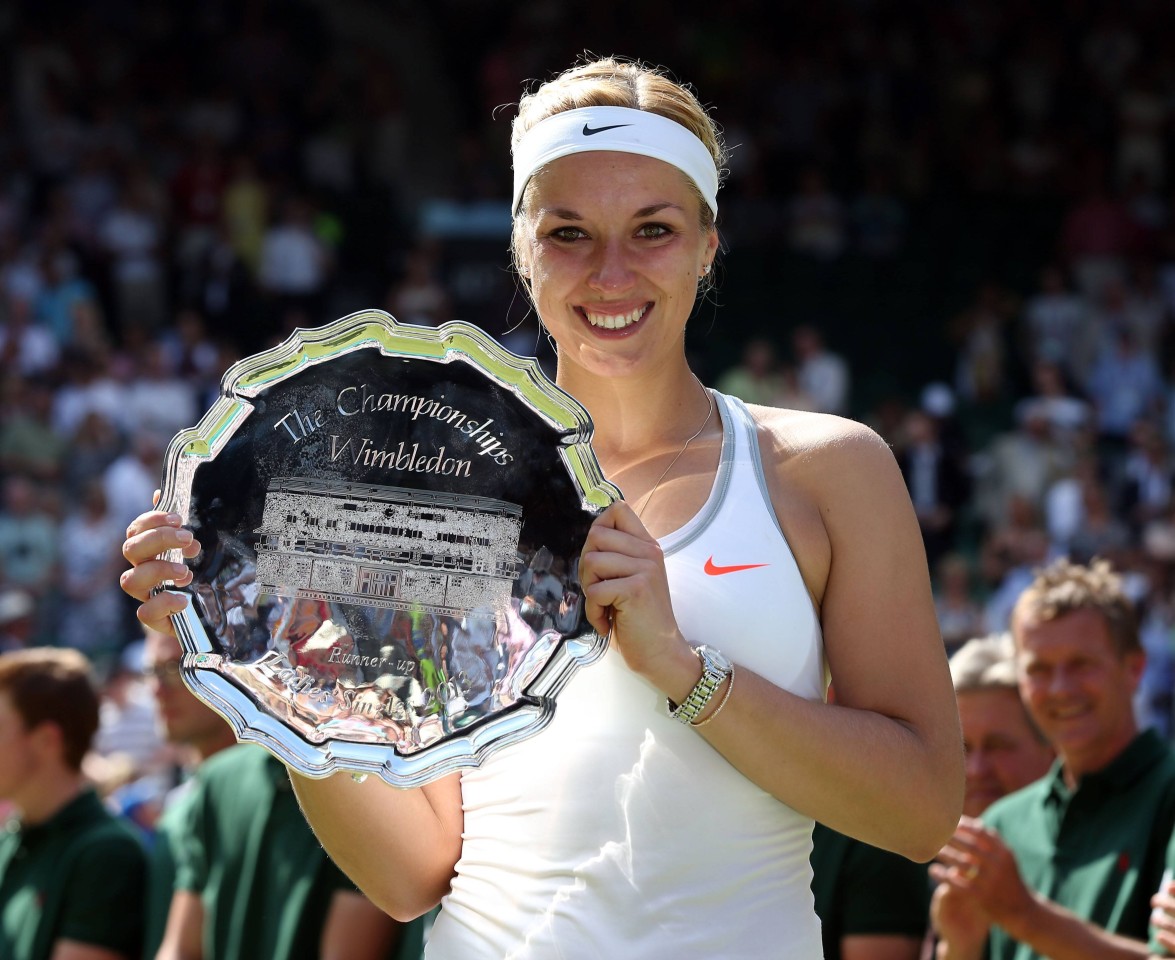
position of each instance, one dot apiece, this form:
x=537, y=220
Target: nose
x=976, y=762
x=1060, y=681
x=610, y=268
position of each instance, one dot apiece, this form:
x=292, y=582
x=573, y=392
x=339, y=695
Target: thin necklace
x=697, y=433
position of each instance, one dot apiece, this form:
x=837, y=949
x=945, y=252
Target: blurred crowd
x=952, y=221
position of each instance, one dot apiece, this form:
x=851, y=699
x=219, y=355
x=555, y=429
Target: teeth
x=614, y=322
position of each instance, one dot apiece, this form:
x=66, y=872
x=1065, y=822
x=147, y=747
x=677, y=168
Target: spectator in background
x=1148, y=478
x=822, y=375
x=1052, y=322
x=62, y=296
x=1097, y=236
x=17, y=611
x=960, y=615
x=1124, y=386
x=878, y=217
x=1020, y=464
x=817, y=224
x=131, y=240
x=127, y=760
x=158, y=399
x=29, y=443
x=295, y=264
x=1005, y=748
x=872, y=904
x=251, y=878
x=25, y=347
x=132, y=479
x=755, y=378
x=71, y=875
x=28, y=541
x=92, y=616
x=1008, y=879
x=939, y=486
x=418, y=296
x=188, y=725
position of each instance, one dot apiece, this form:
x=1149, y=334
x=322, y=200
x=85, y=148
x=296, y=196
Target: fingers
x=156, y=612
x=143, y=578
x=151, y=534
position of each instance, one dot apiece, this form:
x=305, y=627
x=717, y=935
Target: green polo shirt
x=77, y=876
x=161, y=866
x=265, y=882
x=860, y=890
x=1097, y=850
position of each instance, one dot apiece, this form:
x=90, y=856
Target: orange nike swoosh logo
x=716, y=571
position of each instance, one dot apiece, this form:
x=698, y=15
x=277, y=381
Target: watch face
x=715, y=659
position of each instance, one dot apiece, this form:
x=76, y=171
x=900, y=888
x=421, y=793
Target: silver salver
x=390, y=519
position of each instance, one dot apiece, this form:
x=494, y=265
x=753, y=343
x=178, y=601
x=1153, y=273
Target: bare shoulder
x=830, y=480
x=807, y=442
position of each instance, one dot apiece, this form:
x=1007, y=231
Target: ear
x=48, y=740
x=1135, y=665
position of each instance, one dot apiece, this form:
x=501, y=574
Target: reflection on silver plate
x=390, y=519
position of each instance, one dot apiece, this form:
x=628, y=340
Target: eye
x=654, y=230
x=567, y=234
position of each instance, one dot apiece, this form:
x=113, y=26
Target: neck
x=214, y=743
x=47, y=794
x=635, y=416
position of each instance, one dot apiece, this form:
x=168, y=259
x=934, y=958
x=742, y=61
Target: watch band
x=715, y=669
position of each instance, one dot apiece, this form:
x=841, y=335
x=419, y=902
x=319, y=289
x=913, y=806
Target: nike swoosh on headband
x=589, y=131
x=716, y=571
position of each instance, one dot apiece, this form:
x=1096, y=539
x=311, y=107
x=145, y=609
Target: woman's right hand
x=150, y=535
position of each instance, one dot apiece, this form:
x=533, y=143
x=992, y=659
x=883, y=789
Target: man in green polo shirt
x=1065, y=868
x=71, y=874
x=240, y=875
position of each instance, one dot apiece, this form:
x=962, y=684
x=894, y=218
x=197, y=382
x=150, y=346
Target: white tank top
x=619, y=833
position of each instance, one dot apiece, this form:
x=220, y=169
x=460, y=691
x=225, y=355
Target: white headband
x=618, y=129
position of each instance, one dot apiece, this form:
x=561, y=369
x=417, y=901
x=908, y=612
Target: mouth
x=615, y=321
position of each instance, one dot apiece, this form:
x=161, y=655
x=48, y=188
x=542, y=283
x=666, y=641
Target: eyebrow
x=564, y=213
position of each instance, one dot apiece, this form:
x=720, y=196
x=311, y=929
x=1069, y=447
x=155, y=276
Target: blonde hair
x=1065, y=587
x=985, y=663
x=614, y=82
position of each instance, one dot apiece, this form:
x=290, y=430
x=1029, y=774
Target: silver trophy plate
x=390, y=520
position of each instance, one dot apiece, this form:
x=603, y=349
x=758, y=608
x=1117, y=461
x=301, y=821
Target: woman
x=783, y=539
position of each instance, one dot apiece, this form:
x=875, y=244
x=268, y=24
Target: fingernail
x=179, y=569
x=174, y=519
x=184, y=536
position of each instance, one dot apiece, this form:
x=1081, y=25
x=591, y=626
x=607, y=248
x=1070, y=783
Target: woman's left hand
x=622, y=572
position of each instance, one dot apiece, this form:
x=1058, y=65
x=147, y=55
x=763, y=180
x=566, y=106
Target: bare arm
x=183, y=937
x=885, y=763
x=73, y=950
x=879, y=946
x=356, y=929
x=978, y=865
x=400, y=847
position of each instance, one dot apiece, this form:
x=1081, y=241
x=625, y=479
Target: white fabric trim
x=620, y=130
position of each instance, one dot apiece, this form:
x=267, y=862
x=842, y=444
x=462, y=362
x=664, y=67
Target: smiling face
x=1078, y=687
x=1003, y=751
x=614, y=248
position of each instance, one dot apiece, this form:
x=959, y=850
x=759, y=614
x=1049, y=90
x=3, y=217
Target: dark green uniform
x=862, y=890
x=265, y=882
x=161, y=867
x=78, y=876
x=240, y=841
x=1098, y=850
